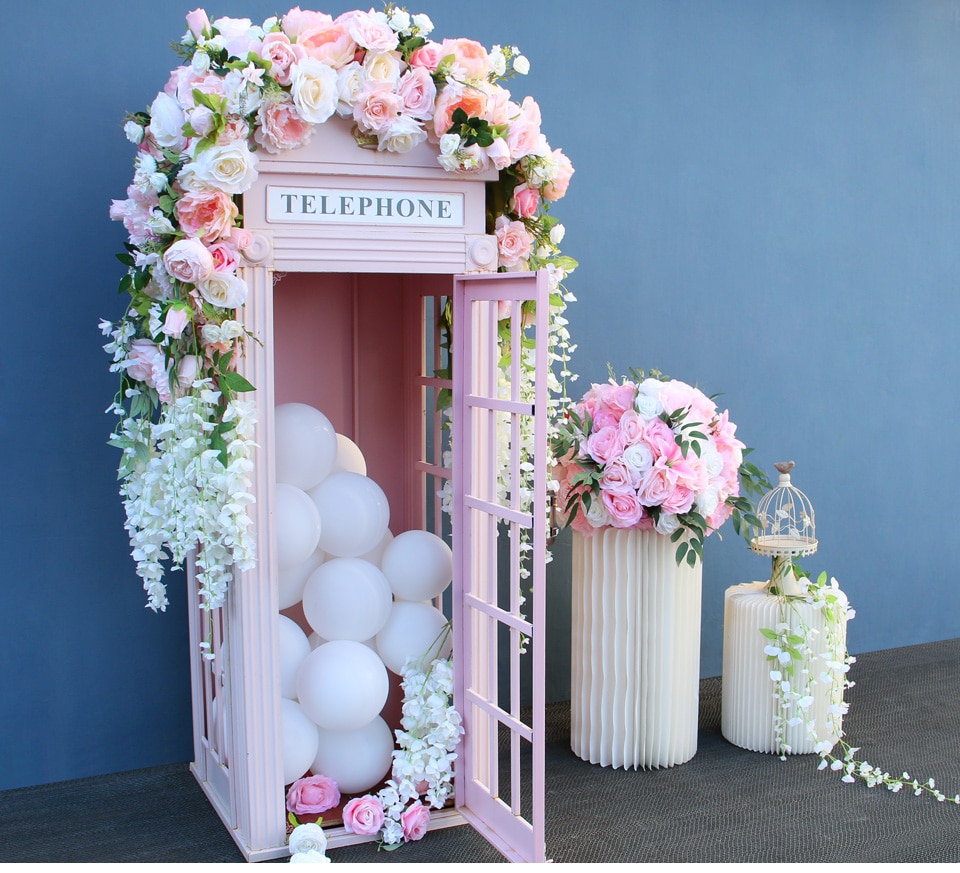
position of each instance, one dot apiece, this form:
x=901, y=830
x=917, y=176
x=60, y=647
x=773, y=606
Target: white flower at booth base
x=308, y=844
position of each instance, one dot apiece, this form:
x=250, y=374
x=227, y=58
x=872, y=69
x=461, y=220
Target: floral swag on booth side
x=184, y=430
x=653, y=453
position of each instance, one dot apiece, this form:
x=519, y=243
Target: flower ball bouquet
x=652, y=453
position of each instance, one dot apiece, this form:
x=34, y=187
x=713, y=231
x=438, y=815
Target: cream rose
x=225, y=290
x=404, y=135
x=314, y=88
x=231, y=167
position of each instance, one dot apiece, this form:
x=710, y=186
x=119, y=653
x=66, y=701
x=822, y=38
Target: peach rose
x=453, y=97
x=557, y=186
x=471, y=57
x=209, y=214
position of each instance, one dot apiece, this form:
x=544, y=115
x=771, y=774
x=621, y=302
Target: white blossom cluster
x=795, y=662
x=430, y=729
x=179, y=495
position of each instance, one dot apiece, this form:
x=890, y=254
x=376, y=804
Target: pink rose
x=679, y=501
x=631, y=427
x=135, y=213
x=363, y=815
x=414, y=820
x=281, y=126
x=617, y=476
x=241, y=238
x=226, y=258
x=371, y=32
x=176, y=321
x=618, y=397
x=428, y=56
x=658, y=435
x=282, y=55
x=525, y=201
x=623, y=506
x=298, y=19
x=187, y=371
x=188, y=260
x=524, y=136
x=418, y=93
x=149, y=367
x=603, y=416
x=557, y=186
x=498, y=153
x=676, y=395
x=377, y=106
x=605, y=445
x=471, y=57
x=209, y=214
x=313, y=794
x=513, y=240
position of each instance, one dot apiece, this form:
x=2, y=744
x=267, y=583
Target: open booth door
x=499, y=532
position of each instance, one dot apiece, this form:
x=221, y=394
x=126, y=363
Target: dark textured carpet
x=726, y=805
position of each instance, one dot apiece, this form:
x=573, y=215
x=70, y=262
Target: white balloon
x=300, y=740
x=349, y=457
x=297, y=526
x=294, y=647
x=357, y=759
x=347, y=599
x=342, y=685
x=293, y=579
x=305, y=445
x=418, y=565
x=414, y=630
x=354, y=514
x=375, y=555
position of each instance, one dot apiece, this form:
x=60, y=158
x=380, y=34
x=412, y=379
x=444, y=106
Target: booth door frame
x=500, y=794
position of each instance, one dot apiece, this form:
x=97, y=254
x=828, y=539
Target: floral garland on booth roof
x=184, y=430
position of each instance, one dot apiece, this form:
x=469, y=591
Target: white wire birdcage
x=787, y=519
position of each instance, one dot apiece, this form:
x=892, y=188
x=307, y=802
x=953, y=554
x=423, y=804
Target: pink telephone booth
x=355, y=254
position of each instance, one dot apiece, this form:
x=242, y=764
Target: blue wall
x=765, y=203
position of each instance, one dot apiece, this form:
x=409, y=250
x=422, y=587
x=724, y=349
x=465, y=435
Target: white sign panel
x=364, y=206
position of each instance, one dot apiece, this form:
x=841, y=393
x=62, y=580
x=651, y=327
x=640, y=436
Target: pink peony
x=329, y=43
x=313, y=794
x=209, y=214
x=363, y=815
x=281, y=126
x=414, y=821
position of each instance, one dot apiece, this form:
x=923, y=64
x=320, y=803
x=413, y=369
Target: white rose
x=498, y=61
x=133, y=132
x=382, y=67
x=597, y=514
x=243, y=96
x=166, y=121
x=449, y=144
x=711, y=459
x=648, y=399
x=521, y=65
x=638, y=457
x=311, y=857
x=200, y=63
x=313, y=86
x=225, y=290
x=231, y=168
x=349, y=84
x=423, y=24
x=667, y=524
x=557, y=233
x=308, y=838
x=707, y=501
x=404, y=135
x=399, y=20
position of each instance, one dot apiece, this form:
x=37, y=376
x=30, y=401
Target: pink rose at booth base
x=313, y=795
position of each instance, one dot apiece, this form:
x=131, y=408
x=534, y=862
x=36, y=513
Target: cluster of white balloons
x=364, y=593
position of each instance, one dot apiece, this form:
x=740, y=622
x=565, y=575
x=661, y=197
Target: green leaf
x=235, y=382
x=682, y=550
x=769, y=634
